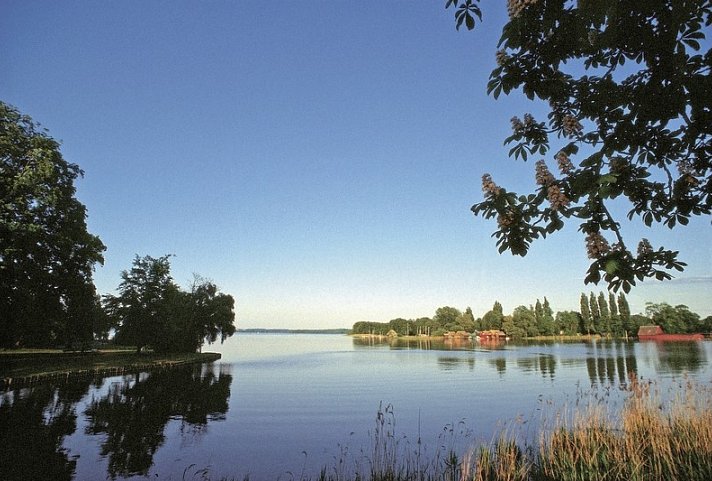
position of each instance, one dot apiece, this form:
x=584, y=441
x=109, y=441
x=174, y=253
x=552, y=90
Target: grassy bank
x=18, y=368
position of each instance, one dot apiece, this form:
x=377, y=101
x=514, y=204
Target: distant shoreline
x=258, y=330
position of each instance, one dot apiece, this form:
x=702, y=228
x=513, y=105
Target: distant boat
x=655, y=333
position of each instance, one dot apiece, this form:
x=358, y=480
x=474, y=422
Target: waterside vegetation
x=600, y=315
x=47, y=259
x=655, y=436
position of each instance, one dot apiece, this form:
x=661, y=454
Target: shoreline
x=25, y=369
x=581, y=337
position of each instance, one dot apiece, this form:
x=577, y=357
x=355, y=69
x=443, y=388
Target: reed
x=652, y=437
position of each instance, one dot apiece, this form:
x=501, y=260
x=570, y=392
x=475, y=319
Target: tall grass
x=652, y=437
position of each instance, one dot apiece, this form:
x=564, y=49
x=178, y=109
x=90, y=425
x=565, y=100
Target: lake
x=279, y=406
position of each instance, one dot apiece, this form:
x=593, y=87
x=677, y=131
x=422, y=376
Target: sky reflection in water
x=287, y=403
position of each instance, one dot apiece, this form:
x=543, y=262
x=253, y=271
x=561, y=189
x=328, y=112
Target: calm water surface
x=281, y=404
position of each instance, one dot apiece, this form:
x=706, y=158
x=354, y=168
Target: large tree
x=493, y=318
x=152, y=310
x=447, y=315
x=47, y=255
x=630, y=117
x=141, y=311
x=672, y=319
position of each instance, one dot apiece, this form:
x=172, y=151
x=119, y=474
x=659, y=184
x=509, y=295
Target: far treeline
x=604, y=315
x=47, y=258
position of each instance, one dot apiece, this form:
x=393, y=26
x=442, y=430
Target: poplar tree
x=595, y=313
x=624, y=311
x=586, y=314
x=548, y=327
x=612, y=304
x=616, y=324
x=605, y=314
x=539, y=316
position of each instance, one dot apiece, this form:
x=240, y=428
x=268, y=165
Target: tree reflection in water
x=675, y=357
x=33, y=424
x=134, y=413
x=132, y=416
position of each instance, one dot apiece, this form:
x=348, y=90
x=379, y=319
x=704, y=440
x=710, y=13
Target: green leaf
x=694, y=44
x=608, y=179
x=469, y=21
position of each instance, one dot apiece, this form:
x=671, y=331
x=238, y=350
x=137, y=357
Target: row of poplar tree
x=602, y=314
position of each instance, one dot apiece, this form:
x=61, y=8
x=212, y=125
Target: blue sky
x=316, y=159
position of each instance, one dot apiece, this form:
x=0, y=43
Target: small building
x=655, y=333
x=649, y=331
x=457, y=334
x=492, y=334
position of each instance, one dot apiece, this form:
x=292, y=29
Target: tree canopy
x=152, y=310
x=630, y=118
x=47, y=255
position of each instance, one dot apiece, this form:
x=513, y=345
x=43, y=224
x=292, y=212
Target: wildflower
x=501, y=57
x=543, y=176
x=506, y=219
x=517, y=125
x=489, y=187
x=571, y=125
x=556, y=197
x=565, y=165
x=618, y=165
x=515, y=7
x=596, y=245
x=687, y=172
x=644, y=248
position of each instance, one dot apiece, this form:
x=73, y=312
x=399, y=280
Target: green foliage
x=365, y=327
x=514, y=327
x=467, y=320
x=493, y=318
x=598, y=65
x=569, y=322
x=600, y=314
x=445, y=319
x=595, y=313
x=141, y=310
x=400, y=325
x=605, y=314
x=47, y=256
x=673, y=320
x=705, y=325
x=547, y=326
x=524, y=319
x=151, y=310
x=637, y=320
x=447, y=315
x=586, y=315
x=624, y=312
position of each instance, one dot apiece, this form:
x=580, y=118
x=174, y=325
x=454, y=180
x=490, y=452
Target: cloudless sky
x=316, y=159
